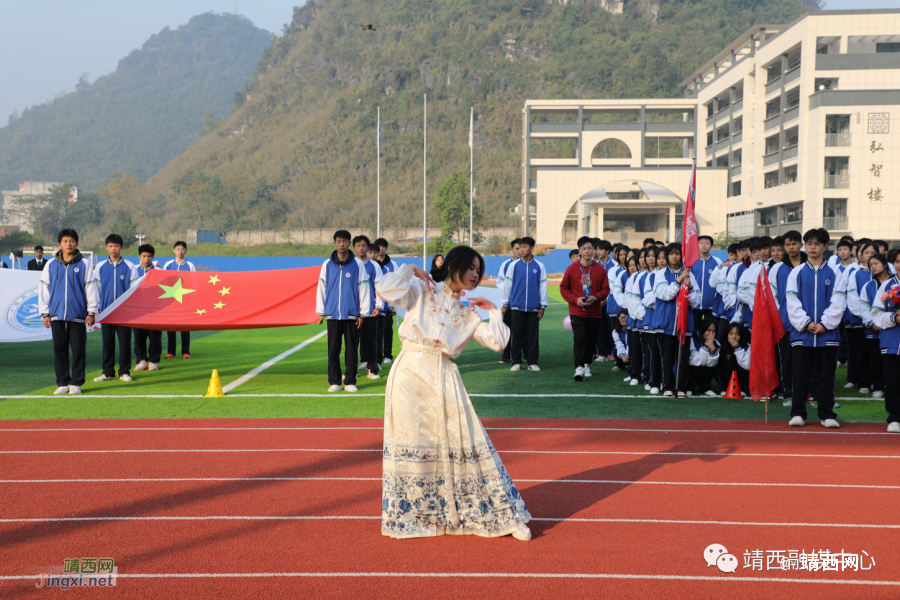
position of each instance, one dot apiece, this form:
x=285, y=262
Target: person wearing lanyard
x=584, y=286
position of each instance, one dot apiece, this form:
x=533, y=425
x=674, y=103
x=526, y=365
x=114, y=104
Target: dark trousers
x=655, y=361
x=822, y=361
x=604, y=336
x=722, y=333
x=786, y=365
x=891, y=387
x=702, y=317
x=109, y=334
x=635, y=354
x=613, y=321
x=843, y=352
x=584, y=332
x=386, y=335
x=700, y=379
x=141, y=338
x=507, y=320
x=525, y=330
x=877, y=365
x=68, y=335
x=342, y=331
x=859, y=356
x=185, y=342
x=647, y=341
x=368, y=336
x=730, y=365
x=668, y=345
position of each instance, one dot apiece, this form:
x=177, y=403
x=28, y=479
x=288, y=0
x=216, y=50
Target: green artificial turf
x=27, y=369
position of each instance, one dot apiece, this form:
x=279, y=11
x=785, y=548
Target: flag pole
x=690, y=200
x=378, y=171
x=471, y=179
x=424, y=180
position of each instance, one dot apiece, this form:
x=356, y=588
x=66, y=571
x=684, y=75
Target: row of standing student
x=72, y=293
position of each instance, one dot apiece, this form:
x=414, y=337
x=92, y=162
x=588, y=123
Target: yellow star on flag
x=214, y=279
x=225, y=290
x=219, y=305
x=175, y=291
x=200, y=311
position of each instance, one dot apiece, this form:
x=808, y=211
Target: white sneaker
x=74, y=389
x=634, y=382
x=627, y=379
x=878, y=394
x=516, y=368
x=153, y=367
x=533, y=368
x=894, y=427
x=125, y=377
x=363, y=366
x=864, y=390
x=831, y=424
x=373, y=376
x=668, y=394
x=587, y=371
x=579, y=374
x=141, y=366
x=334, y=388
x=654, y=390
x=709, y=394
x=797, y=421
x=103, y=378
x=601, y=359
x=63, y=389
x=523, y=533
x=387, y=361
x=849, y=386
x=690, y=394
x=647, y=386
x=351, y=388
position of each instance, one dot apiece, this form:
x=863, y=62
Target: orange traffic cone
x=734, y=389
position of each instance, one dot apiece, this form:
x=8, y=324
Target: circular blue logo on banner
x=23, y=315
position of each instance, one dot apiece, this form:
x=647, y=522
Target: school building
x=790, y=124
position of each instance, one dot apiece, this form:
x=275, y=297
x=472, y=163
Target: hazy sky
x=45, y=45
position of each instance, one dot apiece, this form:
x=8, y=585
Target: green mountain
x=299, y=148
x=139, y=117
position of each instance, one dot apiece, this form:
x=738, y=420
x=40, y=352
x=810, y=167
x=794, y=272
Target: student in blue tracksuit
x=501, y=285
x=602, y=255
x=816, y=296
x=760, y=251
x=180, y=263
x=884, y=316
x=618, y=276
x=526, y=295
x=778, y=276
x=702, y=270
x=115, y=276
x=703, y=360
x=666, y=289
x=68, y=301
x=147, y=360
x=651, y=324
x=719, y=280
x=878, y=267
x=343, y=297
x=385, y=347
x=368, y=355
x=648, y=265
x=857, y=277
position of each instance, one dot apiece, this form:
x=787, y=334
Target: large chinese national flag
x=767, y=330
x=200, y=301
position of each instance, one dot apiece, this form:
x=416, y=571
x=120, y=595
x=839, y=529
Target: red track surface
x=642, y=481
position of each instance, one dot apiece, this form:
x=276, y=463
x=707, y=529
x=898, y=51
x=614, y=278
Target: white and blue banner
x=19, y=317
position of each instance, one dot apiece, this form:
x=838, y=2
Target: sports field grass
x=27, y=370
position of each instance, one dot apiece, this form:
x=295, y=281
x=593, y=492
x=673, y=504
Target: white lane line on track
x=378, y=517
x=585, y=452
x=254, y=372
x=342, y=394
x=603, y=481
x=488, y=576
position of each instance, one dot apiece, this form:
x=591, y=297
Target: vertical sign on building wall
x=879, y=123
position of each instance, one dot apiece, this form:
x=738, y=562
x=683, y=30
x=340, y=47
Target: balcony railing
x=837, y=140
x=835, y=223
x=836, y=181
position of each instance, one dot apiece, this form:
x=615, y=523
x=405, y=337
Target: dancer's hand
x=423, y=275
x=483, y=303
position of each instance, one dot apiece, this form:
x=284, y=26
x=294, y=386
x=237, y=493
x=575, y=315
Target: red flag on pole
x=682, y=306
x=690, y=253
x=203, y=301
x=767, y=331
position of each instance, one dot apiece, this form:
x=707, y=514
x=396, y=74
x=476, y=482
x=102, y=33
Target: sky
x=45, y=45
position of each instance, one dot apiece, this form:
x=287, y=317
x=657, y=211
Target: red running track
x=612, y=532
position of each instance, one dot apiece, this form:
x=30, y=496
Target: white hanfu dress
x=441, y=473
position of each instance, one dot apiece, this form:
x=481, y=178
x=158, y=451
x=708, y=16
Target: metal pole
x=424, y=182
x=378, y=171
x=471, y=178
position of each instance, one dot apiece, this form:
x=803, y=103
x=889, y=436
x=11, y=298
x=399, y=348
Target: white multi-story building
x=792, y=130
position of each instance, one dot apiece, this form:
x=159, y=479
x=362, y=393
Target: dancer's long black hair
x=457, y=262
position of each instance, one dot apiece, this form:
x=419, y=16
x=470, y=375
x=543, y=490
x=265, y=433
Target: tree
x=453, y=204
x=723, y=239
x=264, y=204
x=44, y=213
x=17, y=240
x=209, y=123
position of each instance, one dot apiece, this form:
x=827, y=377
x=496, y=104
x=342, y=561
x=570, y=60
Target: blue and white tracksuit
x=174, y=265
x=526, y=288
x=68, y=291
x=665, y=288
x=115, y=279
x=343, y=292
x=815, y=295
x=702, y=270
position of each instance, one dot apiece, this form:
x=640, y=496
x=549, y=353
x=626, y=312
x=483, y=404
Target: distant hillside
x=301, y=151
x=139, y=117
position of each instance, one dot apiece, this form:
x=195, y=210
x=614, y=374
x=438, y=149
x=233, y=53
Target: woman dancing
x=441, y=473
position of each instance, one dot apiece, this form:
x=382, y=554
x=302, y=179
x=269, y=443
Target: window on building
x=771, y=179
x=722, y=161
x=709, y=139
x=773, y=108
x=793, y=60
x=738, y=125
x=793, y=99
x=834, y=214
x=790, y=174
x=791, y=137
x=887, y=47
x=709, y=110
x=736, y=158
x=772, y=144
x=738, y=94
x=724, y=102
x=774, y=71
x=736, y=188
x=723, y=132
x=824, y=84
x=837, y=131
x=837, y=172
x=709, y=163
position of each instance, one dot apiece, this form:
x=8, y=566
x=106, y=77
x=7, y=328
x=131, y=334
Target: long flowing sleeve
x=398, y=289
x=493, y=334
